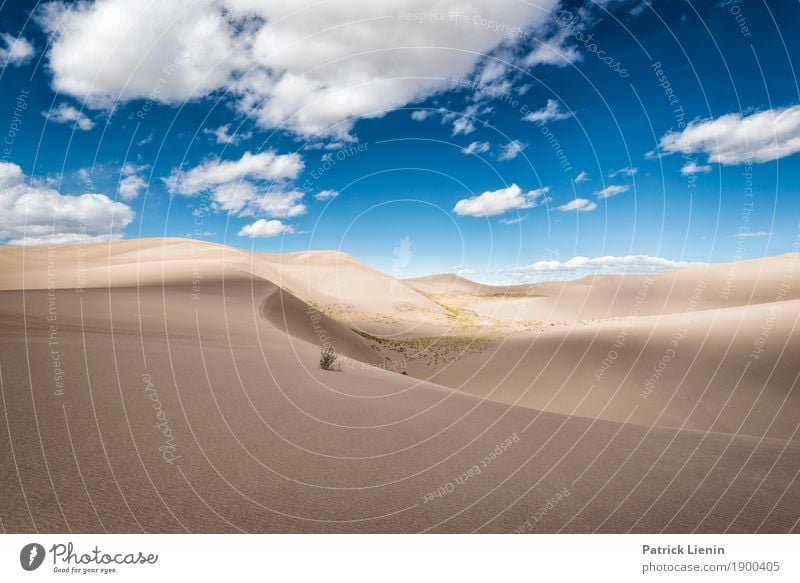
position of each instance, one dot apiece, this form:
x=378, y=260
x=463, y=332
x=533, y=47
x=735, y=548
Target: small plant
x=327, y=358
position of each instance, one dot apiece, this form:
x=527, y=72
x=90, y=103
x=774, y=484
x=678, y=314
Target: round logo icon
x=31, y=556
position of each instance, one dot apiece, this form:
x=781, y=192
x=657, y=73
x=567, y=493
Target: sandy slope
x=700, y=370
x=182, y=403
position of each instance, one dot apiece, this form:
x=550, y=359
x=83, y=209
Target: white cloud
x=553, y=51
x=14, y=51
x=66, y=113
x=514, y=221
x=693, y=168
x=733, y=138
x=131, y=184
x=653, y=155
x=306, y=66
x=32, y=212
x=582, y=177
x=550, y=112
x=85, y=174
x=751, y=234
x=235, y=197
x=463, y=270
x=280, y=203
x=464, y=122
x=511, y=150
x=491, y=71
x=130, y=168
x=223, y=135
x=326, y=194
x=639, y=8
x=111, y=50
x=263, y=228
x=497, y=202
x=476, y=148
x=579, y=204
x=246, y=199
x=583, y=266
x=263, y=166
x=420, y=114
x=463, y=125
x=612, y=190
x=253, y=184
x=626, y=171
x=147, y=139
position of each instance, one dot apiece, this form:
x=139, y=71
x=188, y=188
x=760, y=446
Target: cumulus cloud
x=32, y=212
x=14, y=51
x=581, y=205
x=463, y=125
x=253, y=184
x=582, y=177
x=130, y=168
x=281, y=203
x=263, y=228
x=476, y=148
x=111, y=50
x=693, y=168
x=66, y=113
x=224, y=136
x=247, y=199
x=131, y=184
x=497, y=202
x=326, y=194
x=234, y=197
x=420, y=114
x=511, y=150
x=263, y=166
x=612, y=190
x=550, y=112
x=735, y=138
x=306, y=66
x=583, y=266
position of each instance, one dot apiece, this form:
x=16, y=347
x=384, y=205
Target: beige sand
x=177, y=389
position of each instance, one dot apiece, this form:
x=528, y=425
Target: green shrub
x=327, y=358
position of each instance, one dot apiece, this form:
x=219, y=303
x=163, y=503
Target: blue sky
x=500, y=141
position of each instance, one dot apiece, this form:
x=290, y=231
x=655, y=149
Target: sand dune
x=178, y=390
x=698, y=287
x=327, y=278
x=448, y=283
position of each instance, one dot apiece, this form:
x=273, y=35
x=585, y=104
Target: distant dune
x=168, y=385
x=448, y=283
x=613, y=296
